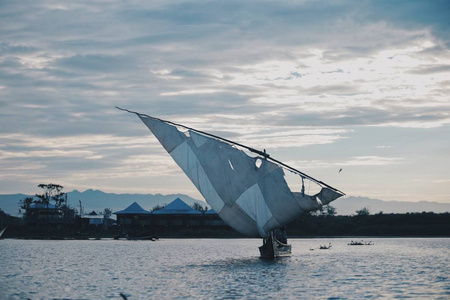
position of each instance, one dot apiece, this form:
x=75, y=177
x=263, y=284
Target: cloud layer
x=285, y=75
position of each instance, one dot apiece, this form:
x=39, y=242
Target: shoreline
x=93, y=238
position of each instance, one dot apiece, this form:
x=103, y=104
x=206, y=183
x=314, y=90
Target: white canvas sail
x=252, y=197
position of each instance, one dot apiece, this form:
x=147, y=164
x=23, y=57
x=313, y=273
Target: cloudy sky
x=321, y=85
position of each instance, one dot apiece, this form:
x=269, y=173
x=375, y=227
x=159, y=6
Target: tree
x=329, y=211
x=24, y=204
x=38, y=214
x=199, y=207
x=52, y=192
x=42, y=214
x=107, y=213
x=316, y=213
x=158, y=207
x=324, y=211
x=363, y=211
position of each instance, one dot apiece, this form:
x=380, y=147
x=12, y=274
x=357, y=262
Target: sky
x=361, y=86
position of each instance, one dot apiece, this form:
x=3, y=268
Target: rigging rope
x=303, y=186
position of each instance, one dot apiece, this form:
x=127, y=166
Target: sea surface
x=417, y=268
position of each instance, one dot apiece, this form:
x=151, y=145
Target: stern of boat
x=272, y=248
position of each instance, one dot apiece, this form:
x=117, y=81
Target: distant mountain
x=349, y=205
x=10, y=203
x=98, y=201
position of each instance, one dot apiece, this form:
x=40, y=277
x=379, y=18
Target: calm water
x=216, y=268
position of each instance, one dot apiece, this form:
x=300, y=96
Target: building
x=133, y=219
x=92, y=219
x=40, y=214
x=133, y=214
x=176, y=214
x=212, y=219
x=95, y=221
x=176, y=218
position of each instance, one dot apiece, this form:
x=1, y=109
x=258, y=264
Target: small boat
x=273, y=248
x=325, y=246
x=142, y=238
x=361, y=243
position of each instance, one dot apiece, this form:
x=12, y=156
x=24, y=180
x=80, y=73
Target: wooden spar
x=262, y=153
x=321, y=183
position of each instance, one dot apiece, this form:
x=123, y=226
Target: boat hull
x=272, y=248
x=143, y=238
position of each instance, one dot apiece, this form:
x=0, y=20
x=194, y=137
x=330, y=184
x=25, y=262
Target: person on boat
x=280, y=235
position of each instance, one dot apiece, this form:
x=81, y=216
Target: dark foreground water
x=223, y=268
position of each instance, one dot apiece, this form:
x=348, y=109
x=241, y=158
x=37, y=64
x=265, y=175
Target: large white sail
x=249, y=193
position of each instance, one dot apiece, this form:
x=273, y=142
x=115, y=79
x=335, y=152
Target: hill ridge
x=98, y=200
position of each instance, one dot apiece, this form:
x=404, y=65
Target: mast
x=81, y=209
x=259, y=152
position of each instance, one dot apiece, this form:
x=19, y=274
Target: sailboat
x=249, y=193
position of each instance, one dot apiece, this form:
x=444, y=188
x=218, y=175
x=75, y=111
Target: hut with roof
x=179, y=219
x=175, y=219
x=177, y=214
x=95, y=221
x=133, y=218
x=92, y=219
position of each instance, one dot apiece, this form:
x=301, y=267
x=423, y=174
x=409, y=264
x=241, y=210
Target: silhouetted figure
x=280, y=235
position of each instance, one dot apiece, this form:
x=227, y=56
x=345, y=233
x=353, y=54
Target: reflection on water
x=220, y=268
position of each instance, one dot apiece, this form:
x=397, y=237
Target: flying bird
x=340, y=170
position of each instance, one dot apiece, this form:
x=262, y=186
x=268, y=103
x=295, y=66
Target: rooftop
x=134, y=209
x=177, y=206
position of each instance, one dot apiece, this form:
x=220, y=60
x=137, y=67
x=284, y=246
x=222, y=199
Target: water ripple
x=223, y=269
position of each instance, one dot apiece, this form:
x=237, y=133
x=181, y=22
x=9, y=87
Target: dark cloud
x=415, y=14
